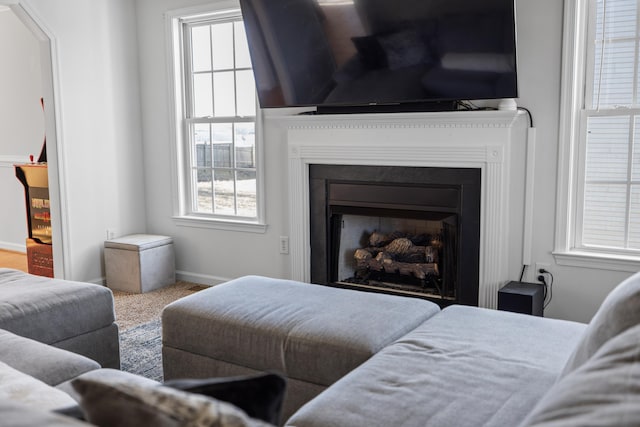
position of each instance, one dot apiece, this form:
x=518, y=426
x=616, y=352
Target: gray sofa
x=469, y=366
x=463, y=366
x=74, y=316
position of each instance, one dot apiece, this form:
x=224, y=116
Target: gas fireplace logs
x=395, y=253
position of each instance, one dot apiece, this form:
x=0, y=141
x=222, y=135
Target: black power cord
x=548, y=288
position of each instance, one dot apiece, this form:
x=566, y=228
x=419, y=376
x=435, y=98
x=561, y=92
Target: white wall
x=21, y=122
x=98, y=124
x=216, y=255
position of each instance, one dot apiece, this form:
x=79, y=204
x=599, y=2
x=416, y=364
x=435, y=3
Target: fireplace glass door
x=407, y=252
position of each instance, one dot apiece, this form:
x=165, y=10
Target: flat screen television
x=350, y=53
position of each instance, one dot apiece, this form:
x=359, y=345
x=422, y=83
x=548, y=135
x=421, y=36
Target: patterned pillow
x=619, y=311
x=128, y=404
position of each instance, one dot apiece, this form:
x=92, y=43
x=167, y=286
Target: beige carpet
x=135, y=309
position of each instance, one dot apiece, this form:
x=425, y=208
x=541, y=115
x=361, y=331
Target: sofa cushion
x=44, y=362
x=18, y=387
x=603, y=391
x=466, y=366
x=52, y=310
x=619, y=311
x=125, y=403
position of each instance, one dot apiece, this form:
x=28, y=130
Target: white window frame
x=182, y=215
x=572, y=143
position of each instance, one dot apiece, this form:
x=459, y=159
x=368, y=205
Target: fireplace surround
x=494, y=142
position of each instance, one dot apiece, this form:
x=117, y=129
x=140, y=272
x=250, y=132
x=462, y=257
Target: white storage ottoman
x=139, y=263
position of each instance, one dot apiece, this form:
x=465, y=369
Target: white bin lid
x=138, y=242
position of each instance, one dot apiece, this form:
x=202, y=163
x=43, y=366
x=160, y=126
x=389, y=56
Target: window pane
x=202, y=95
x=204, y=185
x=222, y=145
x=202, y=140
x=222, y=35
x=634, y=218
x=607, y=148
x=614, y=74
x=636, y=102
x=224, y=97
x=243, y=60
x=246, y=92
x=247, y=191
x=224, y=200
x=201, y=49
x=245, y=145
x=604, y=215
x=620, y=18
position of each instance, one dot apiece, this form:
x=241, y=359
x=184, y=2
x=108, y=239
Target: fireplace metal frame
x=340, y=188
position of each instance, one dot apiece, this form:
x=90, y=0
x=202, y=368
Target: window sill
x=598, y=260
x=219, y=224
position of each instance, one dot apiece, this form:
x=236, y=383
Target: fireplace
x=493, y=142
x=402, y=230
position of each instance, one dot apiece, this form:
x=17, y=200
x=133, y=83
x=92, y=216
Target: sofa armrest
x=49, y=364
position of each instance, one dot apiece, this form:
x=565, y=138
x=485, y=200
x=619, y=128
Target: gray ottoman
x=313, y=334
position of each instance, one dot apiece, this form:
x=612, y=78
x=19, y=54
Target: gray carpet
x=141, y=350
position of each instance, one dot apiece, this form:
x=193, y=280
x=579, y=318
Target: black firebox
x=412, y=231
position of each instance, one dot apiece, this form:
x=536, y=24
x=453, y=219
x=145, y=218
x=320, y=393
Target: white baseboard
x=16, y=247
x=201, y=279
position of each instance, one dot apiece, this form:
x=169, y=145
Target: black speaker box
x=521, y=297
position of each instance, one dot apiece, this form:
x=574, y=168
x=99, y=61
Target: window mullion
x=213, y=103
x=627, y=222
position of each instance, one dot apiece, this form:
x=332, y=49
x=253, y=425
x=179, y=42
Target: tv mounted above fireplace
x=350, y=53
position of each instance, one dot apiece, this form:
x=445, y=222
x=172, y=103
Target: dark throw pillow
x=260, y=396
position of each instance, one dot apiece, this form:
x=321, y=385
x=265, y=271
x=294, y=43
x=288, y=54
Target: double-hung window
x=217, y=125
x=599, y=199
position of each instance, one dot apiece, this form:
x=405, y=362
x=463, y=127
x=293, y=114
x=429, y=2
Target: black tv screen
x=380, y=52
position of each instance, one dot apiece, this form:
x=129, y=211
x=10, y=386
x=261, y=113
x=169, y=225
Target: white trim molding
x=10, y=161
x=56, y=158
x=478, y=139
x=174, y=19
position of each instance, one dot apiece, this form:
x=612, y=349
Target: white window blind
x=610, y=214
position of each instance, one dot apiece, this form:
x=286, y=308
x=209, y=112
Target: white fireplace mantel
x=463, y=139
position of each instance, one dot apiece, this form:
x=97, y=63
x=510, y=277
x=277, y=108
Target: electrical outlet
x=540, y=266
x=284, y=244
